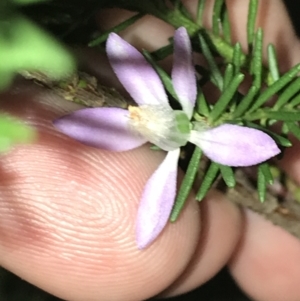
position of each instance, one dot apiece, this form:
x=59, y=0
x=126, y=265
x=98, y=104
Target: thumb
x=68, y=210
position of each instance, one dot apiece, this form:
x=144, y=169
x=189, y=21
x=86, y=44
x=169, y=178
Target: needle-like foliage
x=271, y=101
x=252, y=108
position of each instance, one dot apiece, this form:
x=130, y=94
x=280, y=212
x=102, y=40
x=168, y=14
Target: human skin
x=67, y=211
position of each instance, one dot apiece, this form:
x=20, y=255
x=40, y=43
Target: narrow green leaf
x=294, y=129
x=261, y=184
x=226, y=27
x=187, y=183
x=276, y=87
x=214, y=69
x=217, y=10
x=223, y=48
x=225, y=98
x=208, y=180
x=200, y=10
x=165, y=78
x=184, y=11
x=13, y=131
x=228, y=175
x=287, y=94
x=202, y=106
x=265, y=168
x=273, y=63
x=121, y=26
x=284, y=129
x=294, y=102
x=282, y=115
x=228, y=75
x=278, y=139
x=245, y=102
x=257, y=59
x=252, y=13
x=163, y=52
x=237, y=58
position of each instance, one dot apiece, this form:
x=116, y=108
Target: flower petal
x=157, y=201
x=105, y=128
x=134, y=72
x=235, y=145
x=183, y=72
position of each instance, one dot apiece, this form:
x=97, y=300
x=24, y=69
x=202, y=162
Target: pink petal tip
x=235, y=145
x=157, y=201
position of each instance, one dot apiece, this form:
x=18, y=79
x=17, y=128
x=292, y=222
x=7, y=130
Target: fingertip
x=266, y=263
x=221, y=228
x=69, y=210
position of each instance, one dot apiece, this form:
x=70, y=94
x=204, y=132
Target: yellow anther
x=135, y=113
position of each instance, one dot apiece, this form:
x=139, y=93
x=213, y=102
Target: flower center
x=160, y=125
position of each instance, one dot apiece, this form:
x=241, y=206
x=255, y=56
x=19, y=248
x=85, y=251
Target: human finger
x=69, y=211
